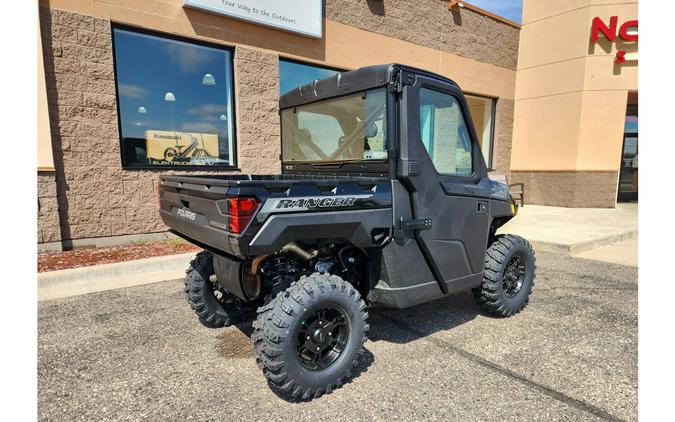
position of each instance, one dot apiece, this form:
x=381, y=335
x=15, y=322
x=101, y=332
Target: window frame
x=234, y=160
x=494, y=100
x=469, y=130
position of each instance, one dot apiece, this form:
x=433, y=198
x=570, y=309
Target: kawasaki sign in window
x=174, y=101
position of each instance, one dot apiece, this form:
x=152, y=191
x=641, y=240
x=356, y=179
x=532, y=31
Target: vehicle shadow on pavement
x=427, y=318
x=389, y=325
x=394, y=325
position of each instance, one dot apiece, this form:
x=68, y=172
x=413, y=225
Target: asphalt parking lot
x=139, y=353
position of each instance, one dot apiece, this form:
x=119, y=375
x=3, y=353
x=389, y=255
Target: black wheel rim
x=514, y=275
x=322, y=338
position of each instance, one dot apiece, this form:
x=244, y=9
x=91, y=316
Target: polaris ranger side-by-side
x=383, y=200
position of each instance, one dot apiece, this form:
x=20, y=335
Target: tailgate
x=197, y=209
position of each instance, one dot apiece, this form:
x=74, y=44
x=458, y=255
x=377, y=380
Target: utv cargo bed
x=209, y=210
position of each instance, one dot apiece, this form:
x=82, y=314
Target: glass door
x=628, y=177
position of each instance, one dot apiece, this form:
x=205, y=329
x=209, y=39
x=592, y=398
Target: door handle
x=416, y=224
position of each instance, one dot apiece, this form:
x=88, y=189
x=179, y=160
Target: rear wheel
x=508, y=277
x=309, y=338
x=200, y=153
x=214, y=307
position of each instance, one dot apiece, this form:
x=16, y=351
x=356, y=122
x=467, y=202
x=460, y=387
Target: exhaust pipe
x=299, y=251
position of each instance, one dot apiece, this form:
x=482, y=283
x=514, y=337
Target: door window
x=444, y=134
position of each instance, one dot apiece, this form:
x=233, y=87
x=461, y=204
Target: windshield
x=349, y=128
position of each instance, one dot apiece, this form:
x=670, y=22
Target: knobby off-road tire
x=286, y=320
x=200, y=291
x=508, y=277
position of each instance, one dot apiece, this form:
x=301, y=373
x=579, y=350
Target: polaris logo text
x=311, y=203
x=182, y=212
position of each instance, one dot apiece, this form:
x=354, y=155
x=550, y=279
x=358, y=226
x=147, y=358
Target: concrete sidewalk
x=573, y=231
x=624, y=253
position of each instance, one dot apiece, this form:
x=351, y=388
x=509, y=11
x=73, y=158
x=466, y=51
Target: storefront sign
x=299, y=16
x=627, y=32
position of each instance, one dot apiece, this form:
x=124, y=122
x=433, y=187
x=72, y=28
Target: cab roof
x=349, y=82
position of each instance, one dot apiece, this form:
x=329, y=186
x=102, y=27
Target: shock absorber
x=278, y=271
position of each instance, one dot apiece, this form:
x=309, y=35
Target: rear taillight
x=240, y=211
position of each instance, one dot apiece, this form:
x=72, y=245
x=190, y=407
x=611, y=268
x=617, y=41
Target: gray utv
x=383, y=200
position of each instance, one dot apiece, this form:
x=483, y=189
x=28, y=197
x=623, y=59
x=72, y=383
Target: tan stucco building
x=575, y=121
x=115, y=73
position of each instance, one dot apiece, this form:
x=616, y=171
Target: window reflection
x=294, y=74
x=174, y=101
x=482, y=112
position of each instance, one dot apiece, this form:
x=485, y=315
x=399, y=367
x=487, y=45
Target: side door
x=443, y=170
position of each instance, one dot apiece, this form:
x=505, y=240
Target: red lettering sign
x=623, y=31
x=621, y=56
x=609, y=32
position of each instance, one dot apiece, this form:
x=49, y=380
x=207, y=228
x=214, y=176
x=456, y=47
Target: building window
x=444, y=133
x=293, y=74
x=174, y=101
x=482, y=113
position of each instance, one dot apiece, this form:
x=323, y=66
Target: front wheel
x=508, y=276
x=309, y=338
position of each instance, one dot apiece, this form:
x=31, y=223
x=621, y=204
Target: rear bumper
x=209, y=237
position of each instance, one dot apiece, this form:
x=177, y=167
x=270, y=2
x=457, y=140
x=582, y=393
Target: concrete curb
x=576, y=248
x=77, y=281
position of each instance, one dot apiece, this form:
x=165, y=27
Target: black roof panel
x=342, y=83
x=348, y=82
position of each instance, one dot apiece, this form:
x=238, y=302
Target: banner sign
x=303, y=17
